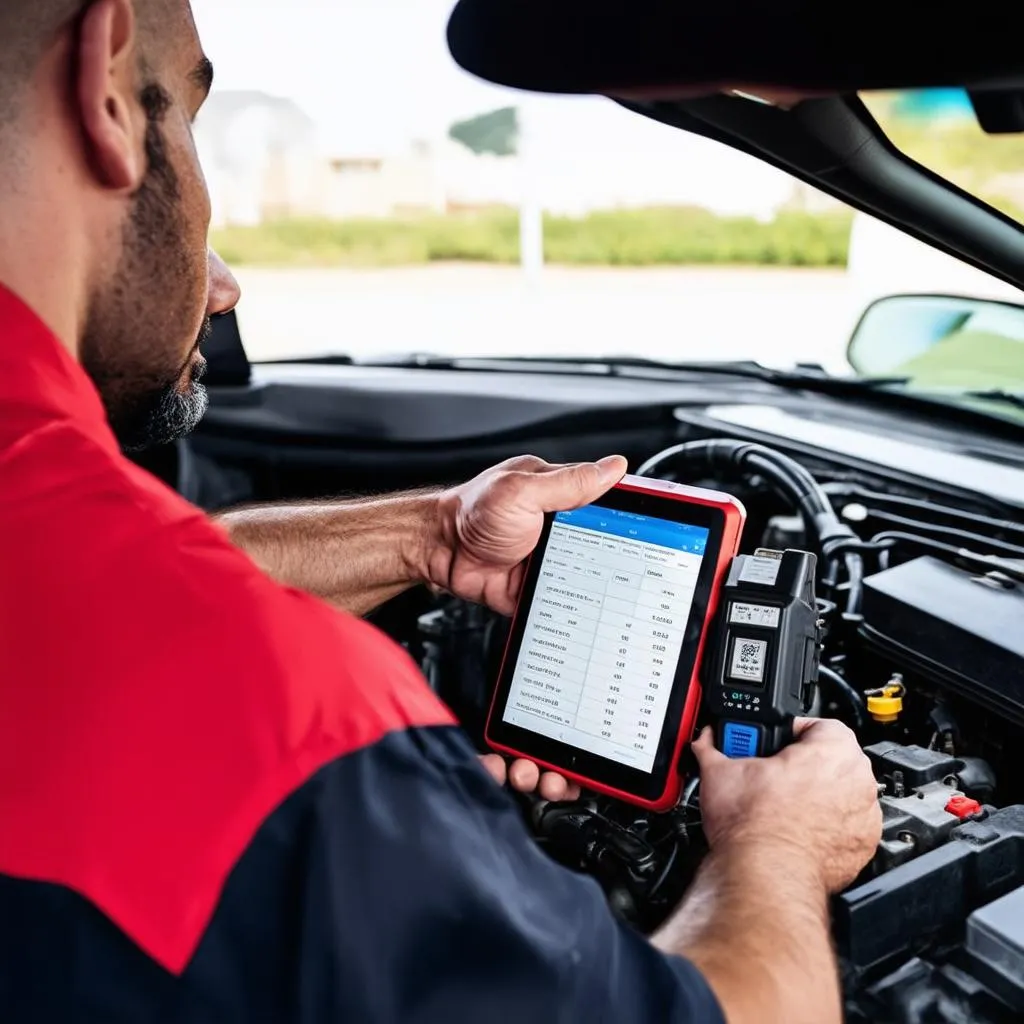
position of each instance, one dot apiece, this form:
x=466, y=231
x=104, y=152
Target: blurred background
x=374, y=199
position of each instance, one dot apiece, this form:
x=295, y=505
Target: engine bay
x=918, y=532
x=923, y=656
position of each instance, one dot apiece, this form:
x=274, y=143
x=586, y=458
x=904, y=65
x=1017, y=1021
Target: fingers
x=705, y=751
x=556, y=788
x=569, y=487
x=822, y=730
x=524, y=776
x=802, y=726
x=495, y=766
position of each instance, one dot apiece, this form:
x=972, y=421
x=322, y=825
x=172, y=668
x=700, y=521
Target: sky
x=376, y=74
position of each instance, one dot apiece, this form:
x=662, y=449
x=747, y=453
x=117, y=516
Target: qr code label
x=748, y=658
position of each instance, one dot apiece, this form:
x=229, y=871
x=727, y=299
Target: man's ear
x=106, y=88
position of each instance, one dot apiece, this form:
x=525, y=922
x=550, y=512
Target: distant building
x=260, y=157
x=361, y=185
x=263, y=161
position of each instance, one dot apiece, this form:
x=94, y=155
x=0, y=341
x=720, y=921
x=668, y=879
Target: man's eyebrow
x=202, y=75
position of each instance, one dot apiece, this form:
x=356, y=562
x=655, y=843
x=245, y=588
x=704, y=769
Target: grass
x=624, y=238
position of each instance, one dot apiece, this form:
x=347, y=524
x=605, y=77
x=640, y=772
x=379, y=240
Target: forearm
x=357, y=554
x=757, y=926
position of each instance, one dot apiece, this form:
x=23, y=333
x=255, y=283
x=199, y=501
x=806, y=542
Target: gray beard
x=162, y=418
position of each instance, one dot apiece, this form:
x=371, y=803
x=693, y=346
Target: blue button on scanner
x=740, y=740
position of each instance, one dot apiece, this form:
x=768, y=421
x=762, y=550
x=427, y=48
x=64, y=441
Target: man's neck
x=43, y=258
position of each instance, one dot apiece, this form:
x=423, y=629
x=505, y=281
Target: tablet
x=600, y=675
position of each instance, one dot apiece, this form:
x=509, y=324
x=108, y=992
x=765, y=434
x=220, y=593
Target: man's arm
x=785, y=832
x=355, y=554
x=470, y=540
x=756, y=924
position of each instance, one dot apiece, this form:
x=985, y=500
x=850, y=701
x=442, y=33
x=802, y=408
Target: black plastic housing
x=961, y=630
x=926, y=902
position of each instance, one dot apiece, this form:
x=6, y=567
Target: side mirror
x=942, y=341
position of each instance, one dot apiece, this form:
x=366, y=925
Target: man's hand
x=484, y=532
x=526, y=777
x=486, y=528
x=816, y=801
x=785, y=832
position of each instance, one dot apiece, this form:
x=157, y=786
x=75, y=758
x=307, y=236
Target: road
x=776, y=316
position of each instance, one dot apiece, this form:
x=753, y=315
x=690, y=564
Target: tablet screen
x=605, y=631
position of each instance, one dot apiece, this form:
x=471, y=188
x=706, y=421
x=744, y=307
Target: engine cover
x=952, y=626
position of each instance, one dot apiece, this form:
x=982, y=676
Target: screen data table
x=605, y=630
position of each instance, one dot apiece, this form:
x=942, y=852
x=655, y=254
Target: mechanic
x=223, y=798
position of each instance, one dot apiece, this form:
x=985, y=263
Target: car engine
x=922, y=607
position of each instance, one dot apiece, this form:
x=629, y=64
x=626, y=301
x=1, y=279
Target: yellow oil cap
x=885, y=705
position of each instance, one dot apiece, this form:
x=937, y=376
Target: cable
x=718, y=455
x=665, y=871
x=979, y=562
x=841, y=688
x=688, y=793
x=861, y=495
x=855, y=574
x=949, y=532
x=792, y=480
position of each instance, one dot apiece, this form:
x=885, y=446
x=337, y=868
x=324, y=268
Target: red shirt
x=155, y=685
x=278, y=816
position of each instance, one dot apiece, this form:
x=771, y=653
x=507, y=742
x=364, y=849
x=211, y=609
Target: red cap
x=962, y=806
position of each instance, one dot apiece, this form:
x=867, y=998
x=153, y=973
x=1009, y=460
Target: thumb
x=705, y=751
x=570, y=487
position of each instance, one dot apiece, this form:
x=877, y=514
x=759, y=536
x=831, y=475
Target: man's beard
x=162, y=415
x=150, y=396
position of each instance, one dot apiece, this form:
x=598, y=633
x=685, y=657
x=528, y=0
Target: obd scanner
x=768, y=643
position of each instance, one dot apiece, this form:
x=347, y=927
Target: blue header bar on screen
x=645, y=529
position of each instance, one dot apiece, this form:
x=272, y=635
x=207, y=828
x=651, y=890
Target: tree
x=496, y=132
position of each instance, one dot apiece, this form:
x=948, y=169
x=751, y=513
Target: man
x=221, y=798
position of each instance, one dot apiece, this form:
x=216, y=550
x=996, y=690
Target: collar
x=40, y=382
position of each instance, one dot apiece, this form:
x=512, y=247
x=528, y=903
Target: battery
x=995, y=939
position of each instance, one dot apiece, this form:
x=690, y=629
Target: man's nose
x=224, y=290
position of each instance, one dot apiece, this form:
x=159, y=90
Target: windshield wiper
x=893, y=393
x=1014, y=399
x=814, y=376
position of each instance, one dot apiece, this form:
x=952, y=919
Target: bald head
x=29, y=29
x=104, y=211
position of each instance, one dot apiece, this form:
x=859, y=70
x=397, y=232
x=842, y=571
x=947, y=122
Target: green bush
x=635, y=238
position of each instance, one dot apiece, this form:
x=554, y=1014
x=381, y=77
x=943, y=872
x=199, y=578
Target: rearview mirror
x=941, y=341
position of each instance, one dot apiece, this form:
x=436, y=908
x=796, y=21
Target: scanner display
x=605, y=631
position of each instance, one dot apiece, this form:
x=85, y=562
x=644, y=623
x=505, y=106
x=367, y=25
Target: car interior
x=912, y=499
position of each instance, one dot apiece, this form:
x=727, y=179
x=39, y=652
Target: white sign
x=762, y=567
x=755, y=615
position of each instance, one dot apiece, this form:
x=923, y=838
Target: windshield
x=375, y=200
x=938, y=129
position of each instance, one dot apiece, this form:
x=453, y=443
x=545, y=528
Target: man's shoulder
x=161, y=694
x=111, y=578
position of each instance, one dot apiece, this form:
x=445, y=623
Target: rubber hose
x=850, y=697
